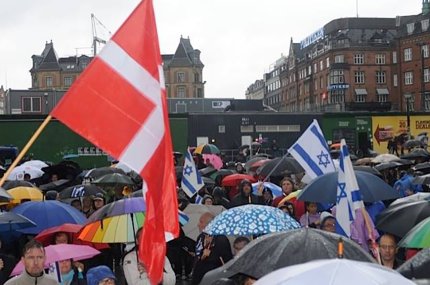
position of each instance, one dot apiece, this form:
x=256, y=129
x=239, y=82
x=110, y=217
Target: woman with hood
x=245, y=195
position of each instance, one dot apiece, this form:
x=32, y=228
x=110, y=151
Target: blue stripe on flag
x=356, y=195
x=310, y=162
x=189, y=186
x=319, y=136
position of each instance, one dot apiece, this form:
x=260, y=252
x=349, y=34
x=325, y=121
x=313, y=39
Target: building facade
x=255, y=91
x=183, y=72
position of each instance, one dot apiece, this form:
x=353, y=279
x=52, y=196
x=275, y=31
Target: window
x=180, y=77
x=409, y=78
x=394, y=56
x=315, y=68
x=247, y=129
x=327, y=62
x=337, y=96
x=199, y=92
x=196, y=77
x=426, y=75
x=339, y=58
x=336, y=77
x=321, y=65
x=410, y=28
x=425, y=25
x=48, y=81
x=395, y=80
x=221, y=129
x=380, y=77
x=380, y=58
x=359, y=58
x=425, y=51
x=67, y=81
x=427, y=101
x=408, y=54
x=180, y=92
x=360, y=98
x=359, y=76
x=382, y=98
x=31, y=104
x=321, y=82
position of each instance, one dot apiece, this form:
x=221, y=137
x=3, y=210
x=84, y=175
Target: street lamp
x=408, y=97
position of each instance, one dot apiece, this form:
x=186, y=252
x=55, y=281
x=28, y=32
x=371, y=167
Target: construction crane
x=96, y=38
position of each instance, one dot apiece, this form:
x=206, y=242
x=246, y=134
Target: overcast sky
x=238, y=39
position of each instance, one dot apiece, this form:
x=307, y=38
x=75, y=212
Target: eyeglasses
x=106, y=281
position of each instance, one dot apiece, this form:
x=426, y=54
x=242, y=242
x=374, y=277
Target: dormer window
x=410, y=28
x=425, y=25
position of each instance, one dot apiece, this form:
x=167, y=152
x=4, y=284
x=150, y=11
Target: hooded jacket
x=243, y=199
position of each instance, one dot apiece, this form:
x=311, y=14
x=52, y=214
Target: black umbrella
x=55, y=185
x=413, y=143
x=369, y=169
x=114, y=179
x=423, y=179
x=80, y=191
x=417, y=153
x=101, y=171
x=387, y=165
x=280, y=166
x=423, y=167
x=65, y=169
x=277, y=250
x=418, y=266
x=207, y=171
x=401, y=218
x=323, y=189
x=253, y=160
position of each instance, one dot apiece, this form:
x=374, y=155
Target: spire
x=426, y=7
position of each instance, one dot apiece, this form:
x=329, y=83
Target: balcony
x=368, y=106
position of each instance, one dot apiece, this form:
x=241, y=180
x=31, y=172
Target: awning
x=382, y=91
x=360, y=91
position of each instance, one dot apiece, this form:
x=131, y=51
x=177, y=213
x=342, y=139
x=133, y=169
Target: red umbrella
x=47, y=236
x=234, y=179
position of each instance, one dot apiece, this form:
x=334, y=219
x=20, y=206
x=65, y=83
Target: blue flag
x=312, y=153
x=191, y=178
x=348, y=197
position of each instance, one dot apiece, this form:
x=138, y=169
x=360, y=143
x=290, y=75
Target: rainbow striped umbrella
x=116, y=229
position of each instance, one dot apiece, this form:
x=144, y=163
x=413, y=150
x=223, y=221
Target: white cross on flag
x=119, y=104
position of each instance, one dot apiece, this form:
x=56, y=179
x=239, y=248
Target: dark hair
x=241, y=239
x=32, y=244
x=289, y=179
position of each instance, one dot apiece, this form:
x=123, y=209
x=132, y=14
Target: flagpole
x=375, y=250
x=25, y=149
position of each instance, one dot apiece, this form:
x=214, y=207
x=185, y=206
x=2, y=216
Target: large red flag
x=119, y=104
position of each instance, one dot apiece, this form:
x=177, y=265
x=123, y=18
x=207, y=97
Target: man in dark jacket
x=245, y=195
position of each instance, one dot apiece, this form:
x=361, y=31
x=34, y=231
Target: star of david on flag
x=191, y=178
x=348, y=197
x=312, y=153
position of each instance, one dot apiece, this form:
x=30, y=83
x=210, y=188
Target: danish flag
x=119, y=104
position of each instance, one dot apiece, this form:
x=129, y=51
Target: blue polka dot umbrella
x=251, y=220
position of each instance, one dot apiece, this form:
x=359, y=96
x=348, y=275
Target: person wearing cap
x=101, y=275
x=98, y=201
x=245, y=195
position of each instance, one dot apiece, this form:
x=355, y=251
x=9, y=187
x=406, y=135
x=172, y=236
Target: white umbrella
x=334, y=272
x=385, y=157
x=18, y=172
x=35, y=163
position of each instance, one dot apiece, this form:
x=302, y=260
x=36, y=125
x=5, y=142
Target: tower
x=426, y=7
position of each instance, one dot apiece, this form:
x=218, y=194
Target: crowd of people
x=188, y=260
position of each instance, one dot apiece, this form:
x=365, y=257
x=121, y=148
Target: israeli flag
x=348, y=197
x=191, y=178
x=312, y=153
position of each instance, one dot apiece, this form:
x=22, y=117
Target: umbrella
x=35, y=163
x=47, y=214
x=413, y=143
x=207, y=148
x=220, y=174
x=55, y=185
x=115, y=222
x=99, y=172
x=280, y=166
x=401, y=218
x=333, y=272
x=65, y=169
x=423, y=179
x=364, y=161
x=276, y=190
x=83, y=190
x=124, y=167
x=10, y=221
x=234, y=179
x=423, y=166
x=18, y=172
x=4, y=195
x=323, y=189
x=253, y=162
x=207, y=171
x=417, y=153
x=116, y=179
x=209, y=182
x=194, y=211
x=60, y=252
x=387, y=165
x=9, y=184
x=411, y=198
x=46, y=237
x=115, y=229
x=251, y=220
x=418, y=236
x=25, y=193
x=418, y=266
x=369, y=169
x=273, y=251
x=213, y=159
x=385, y=157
